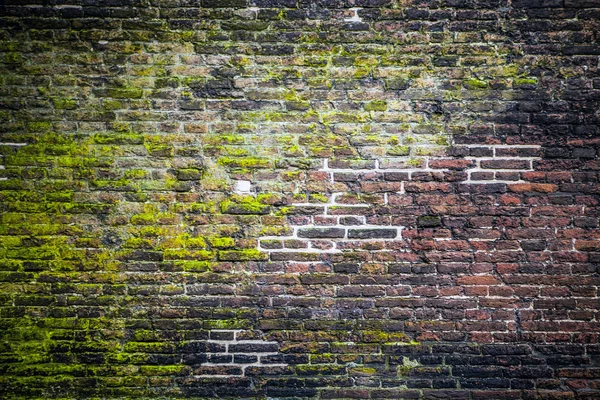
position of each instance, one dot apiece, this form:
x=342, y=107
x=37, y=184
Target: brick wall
x=332, y=199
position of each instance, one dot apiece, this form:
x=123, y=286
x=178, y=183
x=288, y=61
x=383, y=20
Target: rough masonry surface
x=291, y=199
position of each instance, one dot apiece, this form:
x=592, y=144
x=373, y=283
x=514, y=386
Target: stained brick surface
x=362, y=199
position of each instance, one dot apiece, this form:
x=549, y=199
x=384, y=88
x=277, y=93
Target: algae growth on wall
x=332, y=199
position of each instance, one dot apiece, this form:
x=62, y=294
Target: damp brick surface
x=292, y=199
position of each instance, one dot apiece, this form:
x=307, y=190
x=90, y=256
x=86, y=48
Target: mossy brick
x=376, y=105
x=525, y=83
x=193, y=266
x=224, y=3
x=118, y=138
x=189, y=174
x=242, y=255
x=150, y=218
x=65, y=104
x=245, y=162
x=244, y=208
x=475, y=84
x=149, y=347
x=184, y=254
x=160, y=150
x=398, y=151
x=164, y=370
x=129, y=93
x=221, y=242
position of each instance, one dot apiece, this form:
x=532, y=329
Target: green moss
x=317, y=198
x=39, y=126
x=416, y=162
x=343, y=117
x=111, y=104
x=131, y=93
x=475, y=84
x=525, y=83
x=138, y=243
x=112, y=184
x=65, y=104
x=227, y=324
x=195, y=243
x=151, y=231
x=362, y=371
x=193, y=266
x=60, y=195
x=275, y=231
x=188, y=174
x=136, y=174
x=118, y=138
x=398, y=151
x=149, y=347
x=226, y=139
x=244, y=205
x=441, y=140
x=427, y=151
x=285, y=211
x=361, y=72
x=221, y=242
x=162, y=370
x=409, y=140
x=244, y=162
x=13, y=58
x=376, y=105
x=150, y=217
x=184, y=254
x=242, y=255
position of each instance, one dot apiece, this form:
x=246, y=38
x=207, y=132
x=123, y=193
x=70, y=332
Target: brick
x=224, y=3
x=587, y=245
x=582, y=3
x=321, y=233
x=505, y=164
x=537, y=3
x=478, y=280
x=372, y=233
x=451, y=164
x=396, y=176
x=532, y=187
x=253, y=348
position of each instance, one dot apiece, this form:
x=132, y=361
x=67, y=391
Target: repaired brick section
x=294, y=199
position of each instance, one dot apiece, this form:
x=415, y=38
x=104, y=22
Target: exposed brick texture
x=332, y=199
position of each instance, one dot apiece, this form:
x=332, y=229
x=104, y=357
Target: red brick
x=478, y=280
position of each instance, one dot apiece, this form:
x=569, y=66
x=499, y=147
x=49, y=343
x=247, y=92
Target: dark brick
x=321, y=233
x=537, y=3
x=253, y=348
x=224, y=3
x=429, y=221
x=582, y=3
x=372, y=233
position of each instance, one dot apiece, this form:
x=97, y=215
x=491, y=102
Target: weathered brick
x=505, y=164
x=372, y=233
x=295, y=199
x=321, y=233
